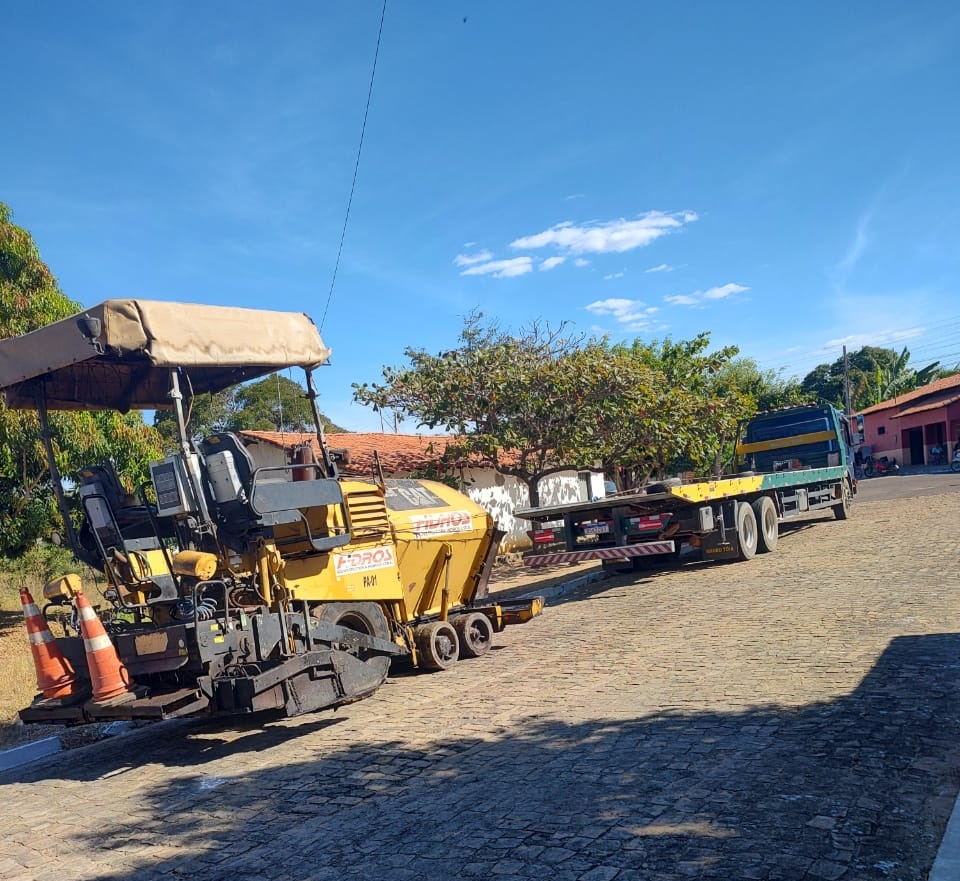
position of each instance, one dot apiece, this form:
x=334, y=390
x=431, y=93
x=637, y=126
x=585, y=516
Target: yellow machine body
x=419, y=546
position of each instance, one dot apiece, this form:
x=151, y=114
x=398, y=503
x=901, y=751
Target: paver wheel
x=746, y=531
x=366, y=618
x=437, y=645
x=769, y=529
x=841, y=510
x=475, y=632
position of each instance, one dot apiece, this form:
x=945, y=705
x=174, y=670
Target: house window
x=882, y=429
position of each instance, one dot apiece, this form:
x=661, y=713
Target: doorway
x=915, y=444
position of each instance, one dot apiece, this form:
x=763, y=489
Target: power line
x=356, y=167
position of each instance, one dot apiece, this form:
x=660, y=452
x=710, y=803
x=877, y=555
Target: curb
x=29, y=752
x=946, y=865
x=564, y=587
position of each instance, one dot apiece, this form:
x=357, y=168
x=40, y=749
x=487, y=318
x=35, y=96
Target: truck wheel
x=475, y=633
x=765, y=513
x=437, y=645
x=842, y=509
x=367, y=618
x=746, y=531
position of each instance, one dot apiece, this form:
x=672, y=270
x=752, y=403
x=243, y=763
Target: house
x=911, y=425
x=414, y=455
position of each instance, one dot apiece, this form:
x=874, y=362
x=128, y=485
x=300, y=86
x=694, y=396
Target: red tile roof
x=933, y=388
x=927, y=405
x=399, y=453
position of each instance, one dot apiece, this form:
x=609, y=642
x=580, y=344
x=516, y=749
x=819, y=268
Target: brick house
x=912, y=424
x=406, y=455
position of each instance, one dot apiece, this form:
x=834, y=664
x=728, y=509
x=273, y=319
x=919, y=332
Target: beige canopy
x=118, y=355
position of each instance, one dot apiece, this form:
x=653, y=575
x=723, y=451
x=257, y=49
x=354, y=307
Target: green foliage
x=540, y=401
x=875, y=375
x=512, y=402
x=31, y=298
x=694, y=409
x=43, y=561
x=274, y=403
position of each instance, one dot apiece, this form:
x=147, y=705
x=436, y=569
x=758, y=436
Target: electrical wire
x=356, y=168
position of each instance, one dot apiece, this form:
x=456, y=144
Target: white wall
x=501, y=496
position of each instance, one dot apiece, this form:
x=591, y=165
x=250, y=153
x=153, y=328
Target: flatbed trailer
x=795, y=461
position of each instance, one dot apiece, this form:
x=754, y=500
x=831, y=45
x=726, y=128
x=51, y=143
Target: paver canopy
x=118, y=355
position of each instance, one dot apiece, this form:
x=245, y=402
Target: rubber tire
x=955, y=466
x=438, y=645
x=765, y=512
x=475, y=632
x=842, y=509
x=747, y=532
x=365, y=617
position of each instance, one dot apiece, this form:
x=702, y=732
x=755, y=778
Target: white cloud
x=879, y=338
x=727, y=290
x=502, y=268
x=663, y=267
x=697, y=297
x=574, y=196
x=613, y=275
x=551, y=263
x=581, y=262
x=471, y=259
x=624, y=311
x=613, y=236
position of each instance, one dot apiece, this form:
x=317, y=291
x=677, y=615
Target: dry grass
x=18, y=682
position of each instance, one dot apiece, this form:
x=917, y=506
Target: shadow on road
x=855, y=788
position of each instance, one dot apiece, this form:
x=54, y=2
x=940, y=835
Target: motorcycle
x=955, y=462
x=876, y=467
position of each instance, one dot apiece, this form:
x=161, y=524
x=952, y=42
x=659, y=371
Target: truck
x=787, y=463
x=230, y=587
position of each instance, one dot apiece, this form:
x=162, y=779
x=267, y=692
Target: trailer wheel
x=366, y=618
x=746, y=531
x=842, y=509
x=475, y=632
x=437, y=645
x=769, y=530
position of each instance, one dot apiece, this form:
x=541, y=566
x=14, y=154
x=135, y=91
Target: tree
x=682, y=424
x=514, y=403
x=741, y=388
x=899, y=378
x=29, y=298
x=875, y=375
x=274, y=403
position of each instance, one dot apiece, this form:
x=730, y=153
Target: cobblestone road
x=796, y=717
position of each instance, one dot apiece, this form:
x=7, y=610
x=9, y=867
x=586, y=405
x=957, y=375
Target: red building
x=911, y=425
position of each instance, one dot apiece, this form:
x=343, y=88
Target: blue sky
x=786, y=177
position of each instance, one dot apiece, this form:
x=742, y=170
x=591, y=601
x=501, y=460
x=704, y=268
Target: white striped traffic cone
x=56, y=677
x=109, y=677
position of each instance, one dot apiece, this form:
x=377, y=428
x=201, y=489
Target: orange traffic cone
x=109, y=677
x=56, y=677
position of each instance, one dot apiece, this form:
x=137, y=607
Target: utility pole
x=846, y=382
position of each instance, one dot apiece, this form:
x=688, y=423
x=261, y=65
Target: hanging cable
x=356, y=167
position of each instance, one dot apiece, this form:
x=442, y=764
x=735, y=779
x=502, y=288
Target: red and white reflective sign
x=640, y=550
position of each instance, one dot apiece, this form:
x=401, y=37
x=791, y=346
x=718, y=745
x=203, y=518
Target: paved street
x=795, y=717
